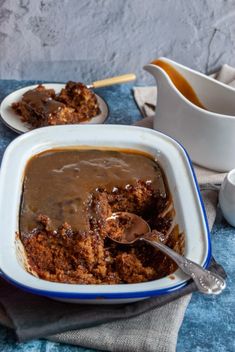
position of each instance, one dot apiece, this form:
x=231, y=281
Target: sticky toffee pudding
x=67, y=197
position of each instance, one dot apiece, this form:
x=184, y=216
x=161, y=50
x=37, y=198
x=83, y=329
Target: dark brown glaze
x=60, y=183
x=42, y=102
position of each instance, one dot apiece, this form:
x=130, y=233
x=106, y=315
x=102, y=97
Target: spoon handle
x=206, y=281
x=113, y=80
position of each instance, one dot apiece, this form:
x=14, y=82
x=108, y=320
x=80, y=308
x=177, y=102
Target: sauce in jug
x=180, y=82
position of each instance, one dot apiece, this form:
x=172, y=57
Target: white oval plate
x=13, y=121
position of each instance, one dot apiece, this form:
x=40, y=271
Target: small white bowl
x=190, y=214
x=227, y=197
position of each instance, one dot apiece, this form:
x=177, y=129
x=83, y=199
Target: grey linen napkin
x=149, y=325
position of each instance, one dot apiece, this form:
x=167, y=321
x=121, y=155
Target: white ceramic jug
x=207, y=134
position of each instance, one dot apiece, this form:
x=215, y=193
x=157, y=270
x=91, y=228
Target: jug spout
x=168, y=100
x=155, y=71
x=152, y=69
x=162, y=79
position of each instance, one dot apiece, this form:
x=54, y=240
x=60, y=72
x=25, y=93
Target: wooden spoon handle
x=114, y=80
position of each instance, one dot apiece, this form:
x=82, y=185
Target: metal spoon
x=138, y=229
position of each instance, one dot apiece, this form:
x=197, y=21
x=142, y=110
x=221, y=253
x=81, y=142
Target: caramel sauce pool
x=60, y=183
x=180, y=82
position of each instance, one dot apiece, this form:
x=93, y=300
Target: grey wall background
x=86, y=40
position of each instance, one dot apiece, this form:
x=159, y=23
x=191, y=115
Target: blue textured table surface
x=209, y=323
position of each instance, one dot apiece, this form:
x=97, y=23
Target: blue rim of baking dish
x=126, y=295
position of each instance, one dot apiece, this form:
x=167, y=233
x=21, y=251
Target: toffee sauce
x=59, y=183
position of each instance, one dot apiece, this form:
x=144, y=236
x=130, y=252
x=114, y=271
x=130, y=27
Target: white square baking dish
x=190, y=213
